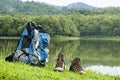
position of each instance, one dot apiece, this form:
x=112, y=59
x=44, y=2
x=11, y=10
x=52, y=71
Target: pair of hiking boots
x=75, y=65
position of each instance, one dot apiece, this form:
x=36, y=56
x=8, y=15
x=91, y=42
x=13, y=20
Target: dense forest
x=14, y=15
x=69, y=25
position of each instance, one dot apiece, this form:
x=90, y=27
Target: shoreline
x=73, y=38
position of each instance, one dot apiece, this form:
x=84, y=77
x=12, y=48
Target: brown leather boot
x=76, y=66
x=60, y=65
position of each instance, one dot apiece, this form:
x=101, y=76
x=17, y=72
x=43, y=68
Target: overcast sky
x=96, y=3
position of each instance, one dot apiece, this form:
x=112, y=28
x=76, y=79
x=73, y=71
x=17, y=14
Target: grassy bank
x=55, y=37
x=6, y=37
x=20, y=71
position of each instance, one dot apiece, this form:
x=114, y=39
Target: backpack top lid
x=30, y=26
x=41, y=30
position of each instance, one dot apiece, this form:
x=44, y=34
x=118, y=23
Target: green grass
x=21, y=71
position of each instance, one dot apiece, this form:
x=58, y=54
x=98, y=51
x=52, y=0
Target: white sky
x=96, y=3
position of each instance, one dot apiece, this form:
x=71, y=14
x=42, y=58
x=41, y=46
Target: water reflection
x=90, y=52
x=106, y=53
x=105, y=69
x=7, y=47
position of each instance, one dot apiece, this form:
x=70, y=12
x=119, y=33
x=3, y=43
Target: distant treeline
x=12, y=7
x=66, y=25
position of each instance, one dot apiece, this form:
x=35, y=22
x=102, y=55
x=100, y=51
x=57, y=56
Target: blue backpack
x=45, y=39
x=26, y=50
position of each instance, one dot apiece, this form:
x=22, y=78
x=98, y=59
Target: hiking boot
x=60, y=65
x=76, y=66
